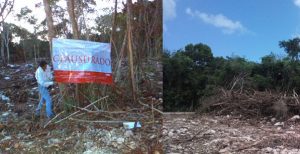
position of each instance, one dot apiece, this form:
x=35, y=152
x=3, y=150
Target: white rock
x=88, y=145
x=120, y=140
x=279, y=124
x=269, y=149
x=152, y=136
x=278, y=128
x=54, y=141
x=170, y=134
x=273, y=119
x=225, y=150
x=5, y=114
x=295, y=117
x=128, y=133
x=7, y=78
x=210, y=132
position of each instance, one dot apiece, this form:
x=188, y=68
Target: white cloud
x=227, y=25
x=297, y=3
x=169, y=9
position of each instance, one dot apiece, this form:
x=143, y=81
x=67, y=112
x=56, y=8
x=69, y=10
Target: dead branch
x=151, y=107
x=53, y=119
x=79, y=111
x=103, y=122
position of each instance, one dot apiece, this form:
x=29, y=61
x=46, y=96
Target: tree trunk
x=34, y=51
x=2, y=48
x=51, y=35
x=120, y=58
x=113, y=31
x=71, y=9
x=6, y=40
x=49, y=18
x=130, y=52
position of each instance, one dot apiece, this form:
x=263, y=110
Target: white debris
x=131, y=125
x=5, y=114
x=7, y=78
x=4, y=98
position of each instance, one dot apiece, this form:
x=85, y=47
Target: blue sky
x=250, y=29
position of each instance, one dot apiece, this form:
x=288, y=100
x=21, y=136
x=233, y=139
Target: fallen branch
x=79, y=111
x=151, y=107
x=53, y=119
x=100, y=121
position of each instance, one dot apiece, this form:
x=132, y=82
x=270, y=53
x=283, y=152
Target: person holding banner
x=44, y=77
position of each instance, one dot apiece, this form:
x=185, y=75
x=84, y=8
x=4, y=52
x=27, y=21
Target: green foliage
x=193, y=74
x=291, y=47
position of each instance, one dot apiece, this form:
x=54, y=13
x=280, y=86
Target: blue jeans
x=45, y=96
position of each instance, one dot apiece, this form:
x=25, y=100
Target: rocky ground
x=84, y=132
x=190, y=133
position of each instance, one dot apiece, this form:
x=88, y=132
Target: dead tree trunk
x=130, y=52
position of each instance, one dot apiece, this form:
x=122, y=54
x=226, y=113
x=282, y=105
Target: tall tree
x=130, y=52
x=71, y=9
x=291, y=47
x=49, y=18
x=6, y=7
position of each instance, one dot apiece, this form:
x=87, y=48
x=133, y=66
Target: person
x=44, y=77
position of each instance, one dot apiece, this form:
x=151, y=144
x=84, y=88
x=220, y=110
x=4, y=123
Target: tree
x=291, y=47
x=49, y=18
x=6, y=7
x=130, y=52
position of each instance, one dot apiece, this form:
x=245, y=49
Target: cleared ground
x=190, y=133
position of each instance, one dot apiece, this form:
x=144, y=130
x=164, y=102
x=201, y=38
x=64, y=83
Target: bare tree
x=6, y=7
x=6, y=39
x=71, y=9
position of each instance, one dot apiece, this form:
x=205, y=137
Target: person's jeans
x=45, y=96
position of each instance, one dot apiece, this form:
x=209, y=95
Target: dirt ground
x=193, y=133
x=85, y=132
